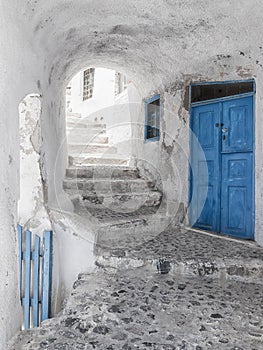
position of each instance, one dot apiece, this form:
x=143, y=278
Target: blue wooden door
x=225, y=133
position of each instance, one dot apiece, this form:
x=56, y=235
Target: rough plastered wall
x=32, y=214
x=160, y=45
x=15, y=51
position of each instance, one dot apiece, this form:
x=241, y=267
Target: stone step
x=83, y=125
x=95, y=159
x=123, y=233
x=111, y=216
x=85, y=149
x=248, y=271
x=86, y=138
x=119, y=203
x=107, y=186
x=85, y=132
x=73, y=114
x=80, y=122
x=103, y=171
x=177, y=250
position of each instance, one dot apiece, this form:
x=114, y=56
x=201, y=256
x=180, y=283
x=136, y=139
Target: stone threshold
x=226, y=258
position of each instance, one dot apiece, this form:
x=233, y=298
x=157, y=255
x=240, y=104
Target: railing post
x=20, y=256
x=46, y=275
x=35, y=300
x=27, y=299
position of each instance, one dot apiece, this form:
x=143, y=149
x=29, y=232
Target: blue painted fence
x=35, y=263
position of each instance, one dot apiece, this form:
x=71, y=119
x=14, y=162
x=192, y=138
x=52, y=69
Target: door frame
x=218, y=100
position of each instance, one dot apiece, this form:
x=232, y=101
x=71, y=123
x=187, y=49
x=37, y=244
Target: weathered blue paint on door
x=236, y=194
x=225, y=133
x=238, y=125
x=203, y=123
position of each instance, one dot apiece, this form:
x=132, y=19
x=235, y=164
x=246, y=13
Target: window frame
x=90, y=85
x=147, y=102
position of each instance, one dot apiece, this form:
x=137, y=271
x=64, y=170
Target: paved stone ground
x=140, y=302
x=183, y=243
x=134, y=309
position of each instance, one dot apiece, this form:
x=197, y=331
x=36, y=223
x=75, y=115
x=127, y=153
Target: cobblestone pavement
x=134, y=309
x=184, y=243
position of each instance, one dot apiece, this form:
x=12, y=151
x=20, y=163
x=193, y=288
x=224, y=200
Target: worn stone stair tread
x=71, y=191
x=90, y=140
x=97, y=165
x=72, y=118
x=94, y=144
x=121, y=202
x=98, y=179
x=73, y=114
x=83, y=130
x=96, y=159
x=91, y=196
x=96, y=156
x=94, y=148
x=84, y=124
x=85, y=120
x=123, y=220
x=102, y=171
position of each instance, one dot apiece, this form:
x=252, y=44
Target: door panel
x=236, y=194
x=206, y=219
x=238, y=125
x=205, y=168
x=222, y=179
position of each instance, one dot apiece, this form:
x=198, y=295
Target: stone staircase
x=88, y=143
x=103, y=186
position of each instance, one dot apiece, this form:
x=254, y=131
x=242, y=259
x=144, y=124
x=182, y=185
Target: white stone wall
x=14, y=85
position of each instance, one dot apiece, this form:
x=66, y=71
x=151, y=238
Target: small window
x=88, y=83
x=205, y=92
x=152, y=118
